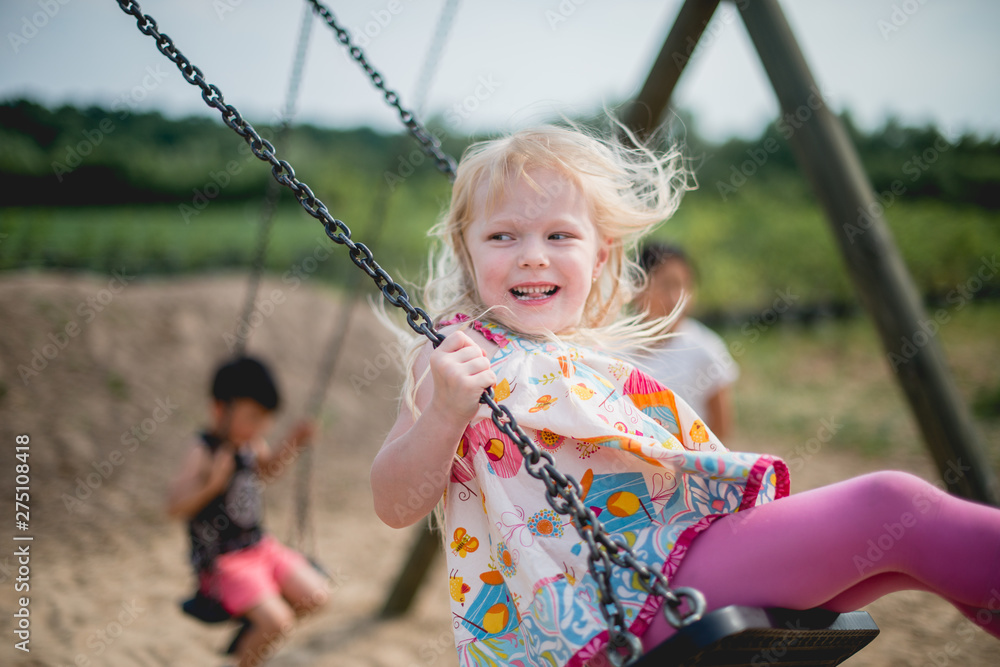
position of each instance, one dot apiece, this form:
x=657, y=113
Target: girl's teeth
x=533, y=292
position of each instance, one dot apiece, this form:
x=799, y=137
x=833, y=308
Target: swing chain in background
x=428, y=142
x=563, y=492
x=270, y=204
x=434, y=52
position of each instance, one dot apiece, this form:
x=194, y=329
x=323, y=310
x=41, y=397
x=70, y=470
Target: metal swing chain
x=428, y=142
x=563, y=492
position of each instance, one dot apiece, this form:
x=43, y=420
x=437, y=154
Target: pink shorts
x=242, y=579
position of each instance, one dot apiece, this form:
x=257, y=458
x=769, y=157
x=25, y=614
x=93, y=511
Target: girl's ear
x=603, y=253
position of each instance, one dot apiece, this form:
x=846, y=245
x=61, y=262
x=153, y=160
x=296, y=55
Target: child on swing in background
x=528, y=288
x=218, y=491
x=696, y=363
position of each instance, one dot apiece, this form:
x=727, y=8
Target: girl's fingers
x=456, y=340
x=457, y=350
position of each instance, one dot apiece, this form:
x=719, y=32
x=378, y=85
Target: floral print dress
x=520, y=590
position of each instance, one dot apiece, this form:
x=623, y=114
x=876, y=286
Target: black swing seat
x=209, y=610
x=742, y=636
x=206, y=609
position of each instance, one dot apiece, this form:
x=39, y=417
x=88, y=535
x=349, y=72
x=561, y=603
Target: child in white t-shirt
x=696, y=363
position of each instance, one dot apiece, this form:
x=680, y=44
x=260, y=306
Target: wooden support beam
x=644, y=113
x=412, y=574
x=834, y=169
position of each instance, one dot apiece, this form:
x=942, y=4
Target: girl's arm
x=272, y=464
x=411, y=471
x=202, y=477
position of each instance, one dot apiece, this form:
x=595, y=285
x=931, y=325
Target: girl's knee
x=896, y=492
x=273, y=618
x=315, y=600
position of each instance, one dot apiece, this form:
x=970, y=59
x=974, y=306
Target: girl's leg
x=835, y=546
x=272, y=621
x=986, y=616
x=305, y=589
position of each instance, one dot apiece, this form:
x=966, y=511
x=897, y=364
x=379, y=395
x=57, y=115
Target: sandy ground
x=107, y=568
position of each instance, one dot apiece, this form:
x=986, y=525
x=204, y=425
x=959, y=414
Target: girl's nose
x=533, y=255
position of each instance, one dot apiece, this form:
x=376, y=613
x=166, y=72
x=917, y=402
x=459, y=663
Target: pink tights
x=845, y=545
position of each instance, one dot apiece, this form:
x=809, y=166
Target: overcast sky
x=509, y=63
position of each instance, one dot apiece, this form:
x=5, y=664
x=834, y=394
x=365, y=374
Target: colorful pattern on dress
x=647, y=466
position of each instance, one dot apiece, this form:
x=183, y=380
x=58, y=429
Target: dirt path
x=107, y=568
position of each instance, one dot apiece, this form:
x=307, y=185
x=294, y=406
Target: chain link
x=428, y=142
x=563, y=492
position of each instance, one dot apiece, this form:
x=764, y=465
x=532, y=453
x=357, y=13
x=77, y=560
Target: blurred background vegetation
x=100, y=189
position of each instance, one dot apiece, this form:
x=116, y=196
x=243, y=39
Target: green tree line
x=73, y=156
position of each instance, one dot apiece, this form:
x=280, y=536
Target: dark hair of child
x=655, y=253
x=246, y=377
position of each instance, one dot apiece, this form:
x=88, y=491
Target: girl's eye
x=500, y=236
x=559, y=236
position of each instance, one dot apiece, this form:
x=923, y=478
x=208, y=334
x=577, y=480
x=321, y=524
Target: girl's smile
x=536, y=253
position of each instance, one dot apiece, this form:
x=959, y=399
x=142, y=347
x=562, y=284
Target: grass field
x=747, y=248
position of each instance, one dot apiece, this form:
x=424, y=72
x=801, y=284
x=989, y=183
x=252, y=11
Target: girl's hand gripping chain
x=223, y=467
x=461, y=373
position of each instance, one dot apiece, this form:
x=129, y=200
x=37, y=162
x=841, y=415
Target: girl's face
x=537, y=253
x=246, y=419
